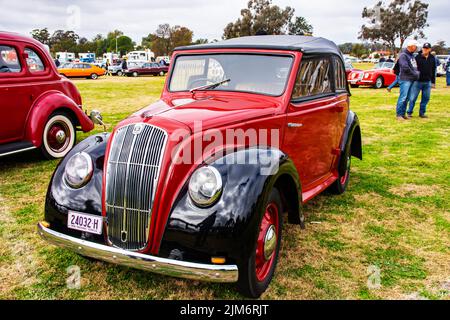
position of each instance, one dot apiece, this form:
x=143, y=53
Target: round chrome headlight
x=78, y=170
x=205, y=186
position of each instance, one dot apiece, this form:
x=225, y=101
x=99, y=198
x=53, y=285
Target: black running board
x=15, y=147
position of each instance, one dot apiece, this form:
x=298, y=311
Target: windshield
x=384, y=65
x=247, y=73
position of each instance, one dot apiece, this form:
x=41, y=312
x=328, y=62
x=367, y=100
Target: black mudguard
x=229, y=228
x=61, y=198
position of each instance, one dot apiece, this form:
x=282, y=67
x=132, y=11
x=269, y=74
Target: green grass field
x=395, y=216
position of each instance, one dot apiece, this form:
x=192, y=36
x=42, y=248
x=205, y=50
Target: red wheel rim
x=347, y=171
x=269, y=224
x=58, y=136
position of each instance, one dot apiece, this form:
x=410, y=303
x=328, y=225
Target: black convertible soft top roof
x=307, y=45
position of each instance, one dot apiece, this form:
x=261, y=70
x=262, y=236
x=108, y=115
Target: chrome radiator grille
x=131, y=180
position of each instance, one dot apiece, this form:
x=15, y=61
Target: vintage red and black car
x=197, y=184
x=149, y=68
x=382, y=75
x=38, y=107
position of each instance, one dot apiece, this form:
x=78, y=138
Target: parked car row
x=81, y=70
x=155, y=69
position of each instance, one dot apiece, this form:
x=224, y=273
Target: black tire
x=135, y=74
x=162, y=73
x=354, y=86
x=341, y=184
x=94, y=76
x=379, y=83
x=119, y=73
x=64, y=120
x=248, y=284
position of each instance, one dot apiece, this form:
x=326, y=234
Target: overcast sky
x=339, y=21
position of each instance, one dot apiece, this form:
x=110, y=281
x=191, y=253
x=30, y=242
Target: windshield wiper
x=210, y=86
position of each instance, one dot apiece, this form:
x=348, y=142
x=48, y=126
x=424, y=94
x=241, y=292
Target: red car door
x=310, y=139
x=15, y=99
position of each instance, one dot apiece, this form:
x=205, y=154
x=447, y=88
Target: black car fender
x=229, y=228
x=351, y=142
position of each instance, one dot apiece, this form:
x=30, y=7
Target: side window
x=9, y=60
x=34, y=62
x=87, y=66
x=313, y=78
x=340, y=75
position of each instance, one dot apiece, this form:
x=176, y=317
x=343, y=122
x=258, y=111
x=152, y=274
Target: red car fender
x=42, y=109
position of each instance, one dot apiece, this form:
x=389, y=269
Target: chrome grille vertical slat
x=133, y=171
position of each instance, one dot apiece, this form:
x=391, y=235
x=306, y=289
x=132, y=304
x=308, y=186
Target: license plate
x=85, y=222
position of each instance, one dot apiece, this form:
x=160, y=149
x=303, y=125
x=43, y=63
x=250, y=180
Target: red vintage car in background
x=197, y=184
x=38, y=107
x=381, y=76
x=151, y=68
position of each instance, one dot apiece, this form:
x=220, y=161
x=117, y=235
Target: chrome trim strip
x=16, y=151
x=168, y=267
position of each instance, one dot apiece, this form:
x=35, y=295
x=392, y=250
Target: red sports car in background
x=381, y=76
x=154, y=69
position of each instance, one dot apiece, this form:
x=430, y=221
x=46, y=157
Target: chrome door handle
x=295, y=125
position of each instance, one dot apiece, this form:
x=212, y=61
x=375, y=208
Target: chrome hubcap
x=270, y=241
x=60, y=136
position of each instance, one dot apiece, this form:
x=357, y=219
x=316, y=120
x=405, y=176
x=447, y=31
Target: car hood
x=210, y=112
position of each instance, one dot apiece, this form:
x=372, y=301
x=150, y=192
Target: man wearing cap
x=426, y=65
x=408, y=74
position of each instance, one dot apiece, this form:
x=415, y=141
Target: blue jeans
x=417, y=87
x=448, y=78
x=397, y=79
x=405, y=87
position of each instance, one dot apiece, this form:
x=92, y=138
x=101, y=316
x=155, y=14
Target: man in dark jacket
x=426, y=64
x=408, y=74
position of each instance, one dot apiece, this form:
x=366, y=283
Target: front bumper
x=169, y=267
